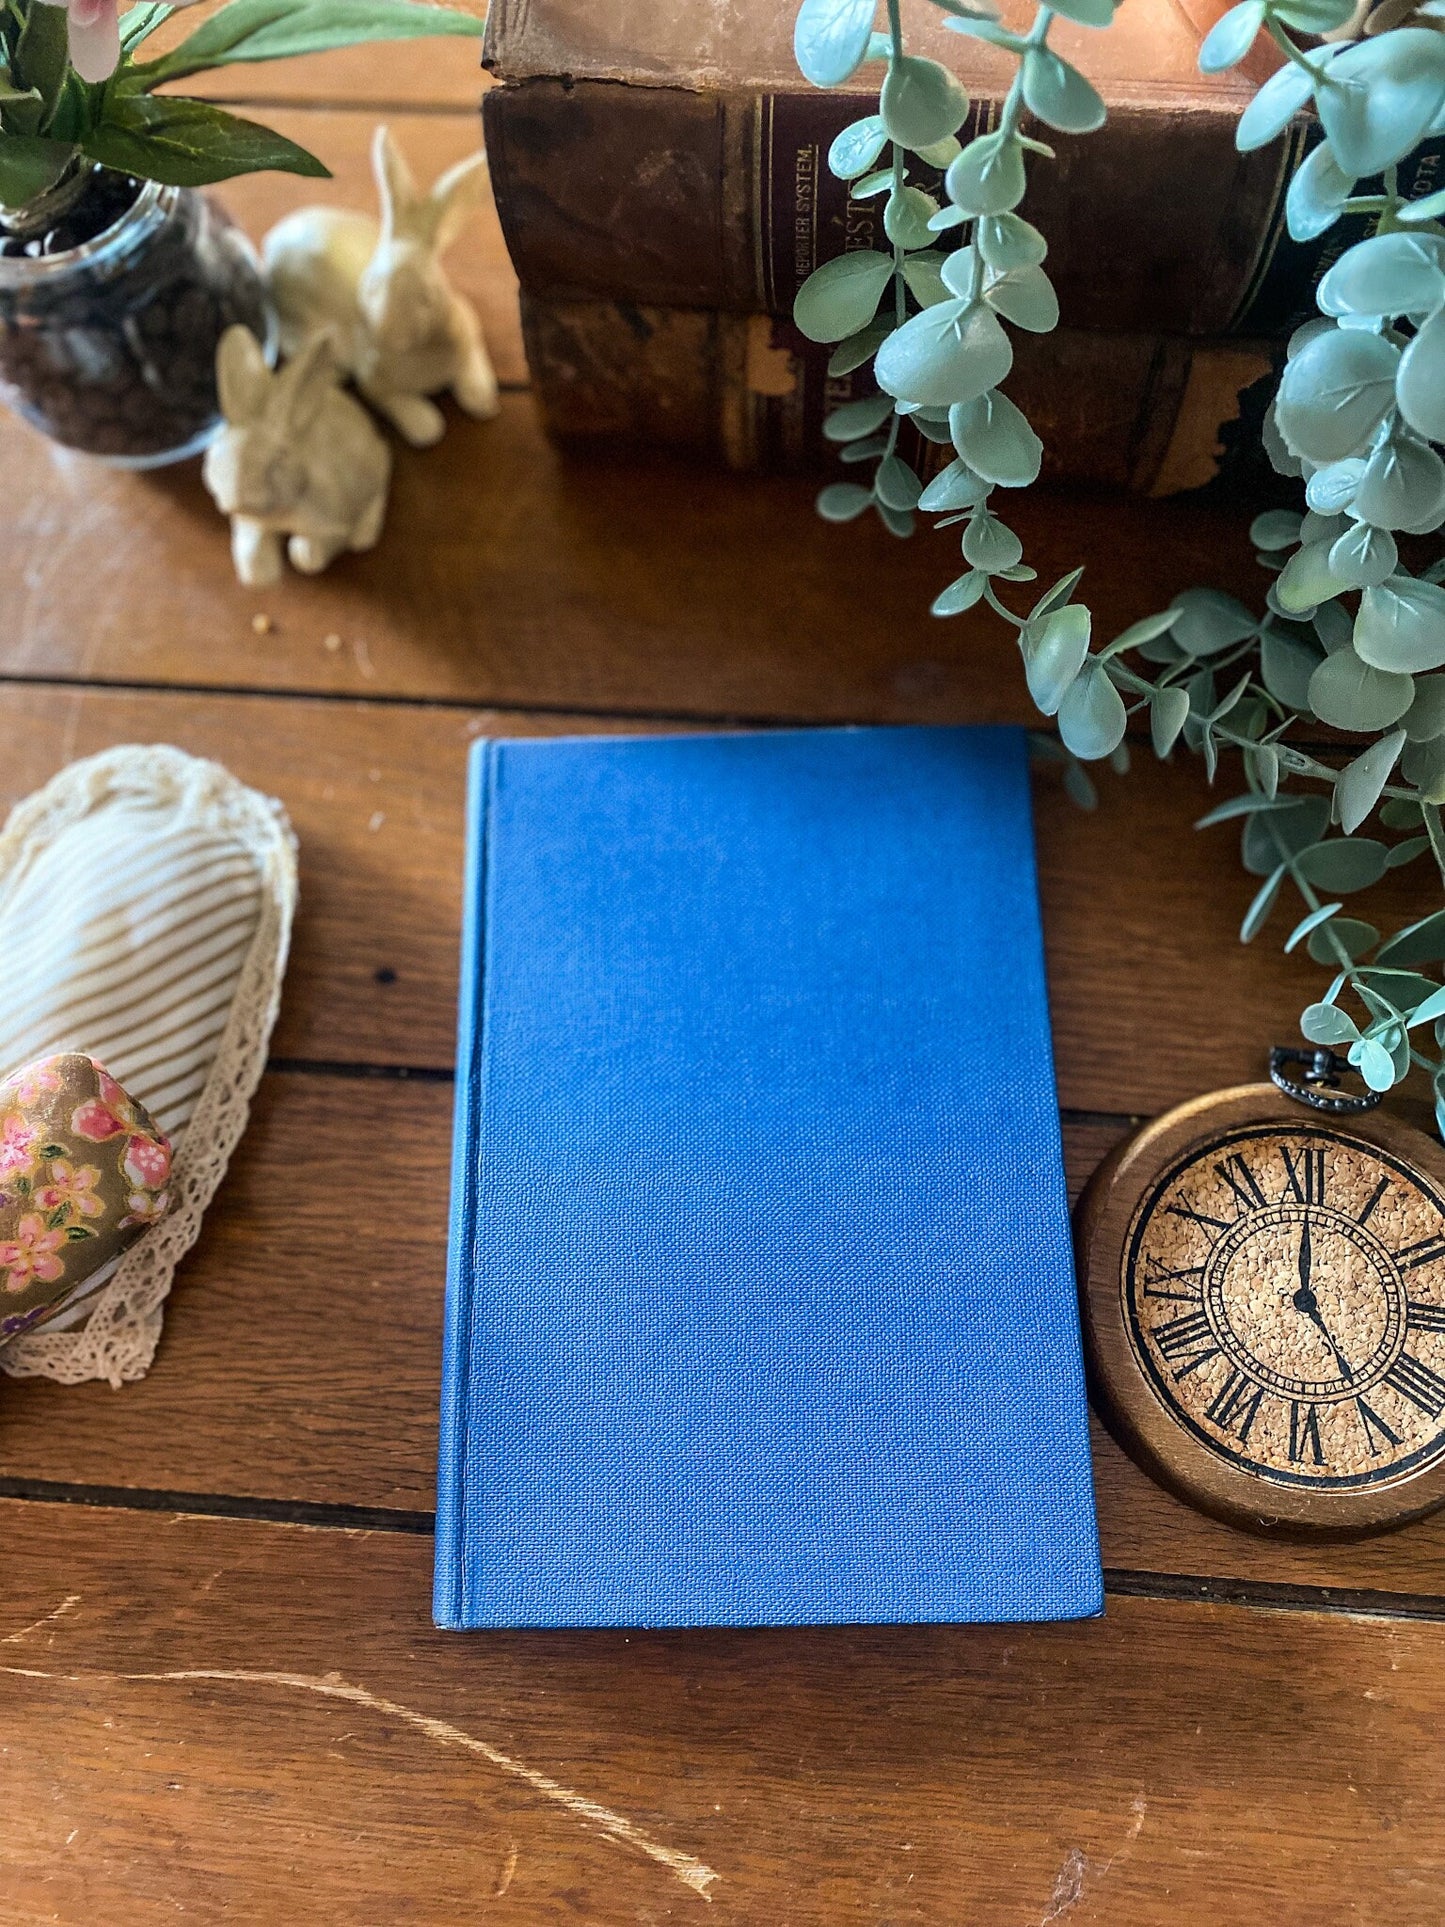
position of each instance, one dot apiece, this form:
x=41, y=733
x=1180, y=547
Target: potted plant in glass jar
x=117, y=276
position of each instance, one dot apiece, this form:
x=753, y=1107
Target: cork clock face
x=1264, y=1296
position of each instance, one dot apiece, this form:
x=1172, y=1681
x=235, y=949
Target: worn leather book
x=670, y=154
x=761, y=1304
x=1147, y=412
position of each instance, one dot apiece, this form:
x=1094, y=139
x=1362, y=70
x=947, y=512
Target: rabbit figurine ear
x=304, y=383
x=242, y=377
x=452, y=198
x=394, y=183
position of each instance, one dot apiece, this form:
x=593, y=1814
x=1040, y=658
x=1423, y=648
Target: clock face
x=1283, y=1290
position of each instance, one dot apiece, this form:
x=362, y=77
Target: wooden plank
x=206, y=1717
x=510, y=574
x=300, y=1361
x=1153, y=999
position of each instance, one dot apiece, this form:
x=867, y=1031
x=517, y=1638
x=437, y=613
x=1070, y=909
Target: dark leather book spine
x=1141, y=411
x=674, y=198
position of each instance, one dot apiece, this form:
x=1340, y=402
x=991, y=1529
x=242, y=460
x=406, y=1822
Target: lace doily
x=117, y=1337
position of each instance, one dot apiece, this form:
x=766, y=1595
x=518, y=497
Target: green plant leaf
x=1388, y=274
x=1427, y=1012
x=1423, y=764
x=1059, y=94
x=1420, y=387
x=921, y=102
x=1274, y=107
x=1317, y=194
x=855, y=349
x=1092, y=717
x=1283, y=831
x=988, y=176
x=896, y=485
x=1257, y=915
x=1008, y=241
x=1358, y=787
x=1054, y=654
x=41, y=58
x=29, y=165
x=923, y=275
x=1334, y=393
x=954, y=487
x=1383, y=95
x=1425, y=718
x=856, y=148
x=843, y=501
x=1353, y=695
x=1087, y=13
x=960, y=594
x=1025, y=296
x=1275, y=529
x=831, y=39
x=1207, y=621
x=951, y=353
x=1312, y=922
x=249, y=30
x=989, y=544
x=189, y=143
x=994, y=438
x=1374, y=1063
x=1402, y=485
x=139, y=23
x=1307, y=580
x=1356, y=939
x=842, y=296
x=1343, y=864
x=1363, y=556
x=1286, y=662
x=906, y=217
x=1328, y=1024
x=1231, y=37
x=1168, y=712
x=1417, y=943
x=1401, y=627
x=854, y=419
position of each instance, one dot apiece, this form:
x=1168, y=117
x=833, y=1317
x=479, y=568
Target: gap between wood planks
x=1353, y=1602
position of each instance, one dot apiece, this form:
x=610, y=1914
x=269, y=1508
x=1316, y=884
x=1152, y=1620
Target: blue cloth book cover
x=761, y=1305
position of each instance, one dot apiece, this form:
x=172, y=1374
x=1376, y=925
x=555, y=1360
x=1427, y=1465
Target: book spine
x=1138, y=411
x=672, y=198
x=449, y=1581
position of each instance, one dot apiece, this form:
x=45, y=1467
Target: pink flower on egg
x=18, y=1140
x=147, y=1162
x=71, y=1189
x=30, y=1254
x=27, y=1086
x=95, y=1121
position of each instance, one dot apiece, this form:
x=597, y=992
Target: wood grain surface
x=1252, y=1734
x=252, y=1713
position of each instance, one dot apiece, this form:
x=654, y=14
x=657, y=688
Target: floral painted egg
x=83, y=1173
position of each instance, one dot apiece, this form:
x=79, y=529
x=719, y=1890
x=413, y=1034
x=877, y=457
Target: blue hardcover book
x=761, y=1304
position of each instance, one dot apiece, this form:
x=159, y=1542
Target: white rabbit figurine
x=298, y=458
x=404, y=332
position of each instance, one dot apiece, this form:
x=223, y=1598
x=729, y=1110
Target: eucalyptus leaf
x=1417, y=943
x=1257, y=915
x=1402, y=486
x=989, y=544
x=1231, y=37
x=1423, y=764
x=1349, y=934
x=854, y=150
x=1308, y=579
x=1273, y=107
x=1358, y=787
x=1275, y=529
x=1060, y=95
x=1317, y=194
x=1313, y=16
x=1353, y=695
x=1343, y=864
x=1007, y=241
x=994, y=438
x=880, y=181
x=960, y=594
x=855, y=419
x=1286, y=663
x=1086, y=13
x=1389, y=274
x=939, y=153
x=898, y=522
x=1363, y=556
x=843, y=501
x=1401, y=627
x=1406, y=852
x=955, y=487
x=923, y=275
x=1425, y=718
x=1373, y=1062
x=1054, y=654
x=1312, y=922
x=831, y=39
x=921, y=102
x=855, y=349
x=1335, y=392
x=1382, y=96
x=906, y=216
x=1207, y=621
x=1328, y=1024
x=1092, y=717
x=896, y=485
x=1334, y=626
x=1025, y=296
x=1420, y=386
x=1168, y=711
x=988, y=176
x=950, y=353
x=842, y=296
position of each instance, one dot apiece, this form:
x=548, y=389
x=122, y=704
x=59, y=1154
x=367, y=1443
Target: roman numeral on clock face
x=1242, y=1182
x=1375, y=1427
x=1235, y=1404
x=1418, y=1383
x=1182, y=1337
x=1157, y=1276
x=1304, y=1431
x=1424, y=1251
x=1424, y=1318
x=1304, y=1174
x=1188, y=1212
x=1374, y=1198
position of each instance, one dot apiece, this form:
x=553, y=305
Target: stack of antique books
x=662, y=179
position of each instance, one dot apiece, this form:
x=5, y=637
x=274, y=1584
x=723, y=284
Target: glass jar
x=110, y=347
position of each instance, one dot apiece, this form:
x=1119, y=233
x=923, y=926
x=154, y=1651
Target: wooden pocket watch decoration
x=1263, y=1295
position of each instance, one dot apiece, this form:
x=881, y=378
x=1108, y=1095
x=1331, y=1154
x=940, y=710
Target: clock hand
x=1305, y=1301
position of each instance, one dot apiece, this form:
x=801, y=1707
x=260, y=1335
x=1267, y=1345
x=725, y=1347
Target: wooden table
x=221, y=1696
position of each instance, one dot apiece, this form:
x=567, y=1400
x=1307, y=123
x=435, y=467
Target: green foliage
x=49, y=116
x=1350, y=637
